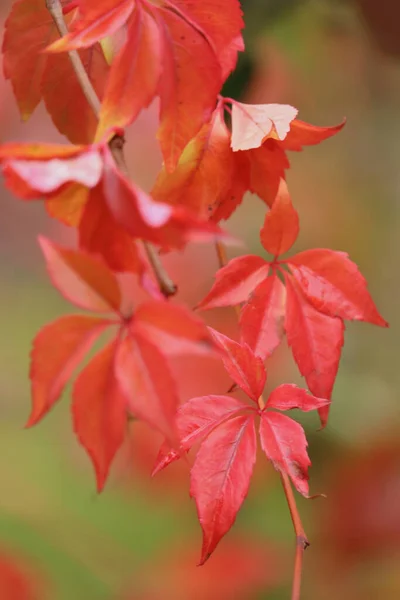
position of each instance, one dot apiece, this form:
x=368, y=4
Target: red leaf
x=334, y=285
x=16, y=581
x=173, y=329
x=134, y=77
x=316, y=341
x=35, y=75
x=246, y=369
x=262, y=317
x=223, y=207
x=189, y=84
x=305, y=134
x=252, y=124
x=281, y=225
x=235, y=282
x=148, y=384
x=204, y=172
x=220, y=478
x=288, y=396
x=57, y=350
x=285, y=445
x=267, y=168
x=81, y=279
x=195, y=420
x=99, y=411
x=96, y=21
x=100, y=234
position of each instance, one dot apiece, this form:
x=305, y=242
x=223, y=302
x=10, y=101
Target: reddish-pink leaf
x=81, y=278
x=99, y=411
x=281, y=225
x=252, y=124
x=304, y=134
x=97, y=20
x=195, y=419
x=267, y=167
x=288, y=396
x=246, y=369
x=174, y=329
x=334, y=285
x=57, y=350
x=285, y=445
x=220, y=478
x=262, y=317
x=224, y=206
x=148, y=384
x=316, y=341
x=136, y=70
x=235, y=282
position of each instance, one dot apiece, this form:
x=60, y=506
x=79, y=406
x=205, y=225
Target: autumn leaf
x=37, y=76
x=225, y=429
x=323, y=288
x=187, y=77
x=131, y=374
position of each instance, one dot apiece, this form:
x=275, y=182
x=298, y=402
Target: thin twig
x=301, y=539
x=116, y=144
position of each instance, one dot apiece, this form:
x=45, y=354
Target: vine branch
x=116, y=144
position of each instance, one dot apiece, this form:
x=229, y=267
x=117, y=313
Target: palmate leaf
x=179, y=51
x=225, y=429
x=323, y=288
x=37, y=76
x=131, y=374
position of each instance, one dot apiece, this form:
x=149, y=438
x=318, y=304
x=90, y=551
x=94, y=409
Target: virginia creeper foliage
x=215, y=149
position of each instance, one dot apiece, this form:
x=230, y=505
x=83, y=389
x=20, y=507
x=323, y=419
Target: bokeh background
x=140, y=539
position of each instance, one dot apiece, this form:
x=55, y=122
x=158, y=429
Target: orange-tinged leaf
x=99, y=411
x=285, y=445
x=204, y=172
x=67, y=205
x=316, y=341
x=221, y=21
x=36, y=76
x=267, y=168
x=189, y=84
x=97, y=20
x=38, y=151
x=134, y=77
x=100, y=234
x=174, y=329
x=281, y=225
x=252, y=124
x=148, y=384
x=235, y=282
x=334, y=285
x=224, y=206
x=57, y=350
x=262, y=317
x=304, y=134
x=81, y=278
x=246, y=369
x=220, y=478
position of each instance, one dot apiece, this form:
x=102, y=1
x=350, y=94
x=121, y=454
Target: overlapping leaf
x=179, y=51
x=82, y=187
x=225, y=429
x=217, y=167
x=323, y=288
x=131, y=374
x=37, y=76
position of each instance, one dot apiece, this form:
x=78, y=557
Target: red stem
x=301, y=539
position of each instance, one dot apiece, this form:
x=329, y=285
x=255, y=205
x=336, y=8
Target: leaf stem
x=116, y=144
x=301, y=539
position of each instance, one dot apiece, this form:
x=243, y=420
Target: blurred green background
x=140, y=539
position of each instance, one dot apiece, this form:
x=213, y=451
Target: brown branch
x=116, y=144
x=301, y=539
